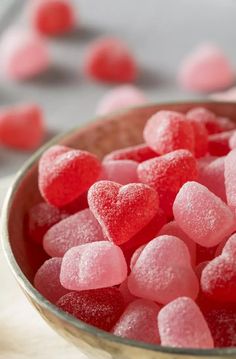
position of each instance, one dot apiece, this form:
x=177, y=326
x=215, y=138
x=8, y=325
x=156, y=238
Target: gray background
x=160, y=33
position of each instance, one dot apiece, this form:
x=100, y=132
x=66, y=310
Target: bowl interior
x=115, y=131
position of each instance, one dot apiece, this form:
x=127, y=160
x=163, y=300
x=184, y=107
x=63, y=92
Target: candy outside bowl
x=108, y=133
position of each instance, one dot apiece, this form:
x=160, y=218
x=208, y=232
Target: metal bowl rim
x=37, y=297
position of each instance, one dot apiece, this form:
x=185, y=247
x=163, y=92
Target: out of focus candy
x=137, y=153
x=24, y=54
x=167, y=131
x=109, y=60
x=120, y=171
x=206, y=69
x=22, y=126
x=51, y=17
x=119, y=98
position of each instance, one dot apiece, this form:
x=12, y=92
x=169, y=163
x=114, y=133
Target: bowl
x=107, y=133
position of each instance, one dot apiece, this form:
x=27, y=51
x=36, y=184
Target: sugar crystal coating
x=108, y=59
x=65, y=176
x=167, y=173
x=147, y=233
x=218, y=280
x=139, y=322
x=24, y=54
x=51, y=17
x=138, y=153
x=232, y=141
x=202, y=215
x=80, y=228
x=47, y=280
x=100, y=307
x=230, y=183
x=181, y=324
x=92, y=266
x=159, y=276
x=172, y=229
x=200, y=138
x=120, y=171
x=222, y=323
x=122, y=211
x=119, y=98
x=206, y=117
x=218, y=143
x=40, y=218
x=205, y=69
x=127, y=296
x=212, y=176
x=22, y=126
x=167, y=131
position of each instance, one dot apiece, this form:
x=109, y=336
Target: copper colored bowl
x=112, y=132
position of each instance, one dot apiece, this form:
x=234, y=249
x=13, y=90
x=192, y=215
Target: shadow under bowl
x=115, y=131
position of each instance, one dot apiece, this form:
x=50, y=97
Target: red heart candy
x=122, y=211
x=65, y=173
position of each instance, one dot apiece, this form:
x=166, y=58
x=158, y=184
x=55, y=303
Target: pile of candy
x=142, y=244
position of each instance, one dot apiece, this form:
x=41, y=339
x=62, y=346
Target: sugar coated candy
x=230, y=183
x=218, y=280
x=181, y=324
x=138, y=153
x=147, y=233
x=172, y=229
x=139, y=322
x=205, y=69
x=24, y=54
x=200, y=138
x=100, y=307
x=167, y=173
x=222, y=323
x=120, y=171
x=47, y=280
x=79, y=228
x=65, y=173
x=202, y=215
x=212, y=176
x=40, y=218
x=232, y=141
x=122, y=211
x=51, y=17
x=206, y=117
x=92, y=266
x=167, y=131
x=127, y=296
x=109, y=59
x=119, y=98
x=163, y=271
x=218, y=143
x=22, y=126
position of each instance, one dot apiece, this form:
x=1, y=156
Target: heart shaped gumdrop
x=218, y=280
x=65, y=173
x=122, y=211
x=163, y=271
